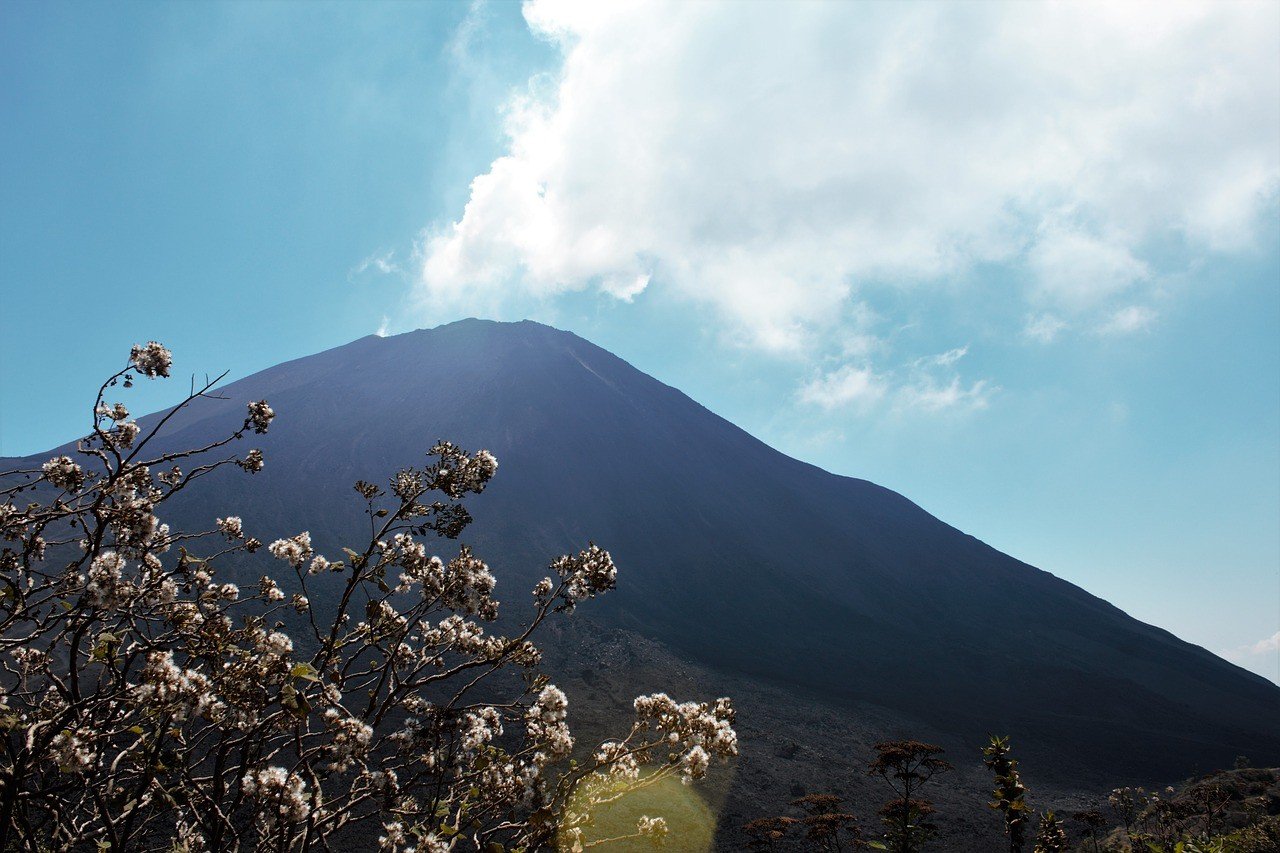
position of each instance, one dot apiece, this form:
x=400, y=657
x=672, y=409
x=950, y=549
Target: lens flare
x=690, y=820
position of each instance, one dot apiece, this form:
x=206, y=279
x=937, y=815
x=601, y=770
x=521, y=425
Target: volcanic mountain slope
x=734, y=556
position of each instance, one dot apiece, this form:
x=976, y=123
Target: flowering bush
x=148, y=704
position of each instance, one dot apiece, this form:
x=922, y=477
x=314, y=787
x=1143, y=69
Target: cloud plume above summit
x=769, y=166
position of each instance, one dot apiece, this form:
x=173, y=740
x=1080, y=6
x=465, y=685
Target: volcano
x=736, y=559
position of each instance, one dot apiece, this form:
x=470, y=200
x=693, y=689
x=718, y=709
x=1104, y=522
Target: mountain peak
x=483, y=327
x=731, y=553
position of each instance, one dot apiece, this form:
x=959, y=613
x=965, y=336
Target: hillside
x=751, y=567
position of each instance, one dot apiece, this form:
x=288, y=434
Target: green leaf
x=294, y=702
x=303, y=670
x=877, y=845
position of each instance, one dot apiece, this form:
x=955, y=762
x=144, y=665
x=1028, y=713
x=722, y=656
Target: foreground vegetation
x=149, y=703
x=1226, y=811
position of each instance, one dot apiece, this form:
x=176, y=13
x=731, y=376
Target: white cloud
x=1263, y=657
x=766, y=161
x=930, y=395
x=462, y=44
x=1127, y=320
x=934, y=385
x=1077, y=271
x=943, y=359
x=844, y=386
x=930, y=384
x=1043, y=328
x=384, y=328
x=379, y=262
x=1267, y=645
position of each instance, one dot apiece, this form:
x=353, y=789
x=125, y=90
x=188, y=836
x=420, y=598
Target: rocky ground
x=791, y=744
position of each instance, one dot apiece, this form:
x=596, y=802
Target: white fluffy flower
x=260, y=416
x=618, y=760
x=545, y=723
x=29, y=659
x=694, y=731
x=124, y=434
x=587, y=573
x=231, y=527
x=486, y=464
x=269, y=589
x=351, y=738
x=63, y=473
x=151, y=359
x=651, y=827
x=281, y=795
x=70, y=752
x=480, y=727
x=394, y=836
x=115, y=412
x=106, y=586
x=294, y=550
x=694, y=764
x=181, y=692
x=252, y=461
x=277, y=644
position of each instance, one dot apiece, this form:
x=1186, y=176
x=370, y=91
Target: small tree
x=1010, y=795
x=1127, y=803
x=1210, y=800
x=1093, y=821
x=1160, y=819
x=826, y=825
x=907, y=766
x=149, y=704
x=764, y=833
x=1052, y=835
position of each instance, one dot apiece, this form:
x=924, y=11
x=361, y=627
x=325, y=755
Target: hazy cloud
x=378, y=262
x=1263, y=657
x=932, y=395
x=844, y=386
x=1043, y=328
x=1131, y=318
x=928, y=384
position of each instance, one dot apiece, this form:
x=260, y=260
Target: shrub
x=907, y=766
x=1010, y=795
x=150, y=704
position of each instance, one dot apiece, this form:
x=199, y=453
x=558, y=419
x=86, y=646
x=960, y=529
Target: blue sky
x=1020, y=263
